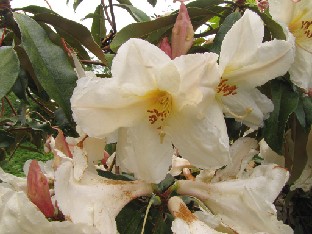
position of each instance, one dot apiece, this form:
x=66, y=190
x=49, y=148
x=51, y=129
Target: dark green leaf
x=35, y=9
x=50, y=63
x=20, y=86
x=304, y=112
x=76, y=4
x=98, y=29
x=78, y=31
x=285, y=102
x=127, y=2
x=9, y=69
x=110, y=175
x=152, y=2
x=204, y=3
x=155, y=29
x=137, y=14
x=224, y=28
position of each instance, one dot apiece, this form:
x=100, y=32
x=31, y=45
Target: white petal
x=239, y=43
x=95, y=149
x=80, y=161
x=269, y=156
x=138, y=64
x=305, y=179
x=140, y=151
x=301, y=70
x=241, y=151
x=94, y=200
x=199, y=76
x=250, y=107
x=245, y=205
x=18, y=183
x=185, y=222
x=202, y=140
x=178, y=164
x=282, y=10
x=100, y=106
x=270, y=60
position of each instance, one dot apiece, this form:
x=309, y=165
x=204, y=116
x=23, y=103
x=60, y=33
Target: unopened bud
x=182, y=33
x=38, y=189
x=164, y=45
x=262, y=5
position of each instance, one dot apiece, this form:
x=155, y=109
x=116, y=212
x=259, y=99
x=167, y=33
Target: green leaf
x=78, y=31
x=35, y=9
x=127, y=2
x=9, y=67
x=152, y=2
x=155, y=29
x=224, y=28
x=285, y=102
x=204, y=3
x=98, y=29
x=304, y=112
x=21, y=84
x=76, y=4
x=137, y=14
x=50, y=64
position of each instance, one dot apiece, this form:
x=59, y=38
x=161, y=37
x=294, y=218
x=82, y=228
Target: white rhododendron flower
x=155, y=102
x=297, y=16
x=246, y=63
x=242, y=201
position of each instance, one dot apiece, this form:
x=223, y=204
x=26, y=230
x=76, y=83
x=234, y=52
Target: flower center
x=226, y=89
x=159, y=109
x=301, y=27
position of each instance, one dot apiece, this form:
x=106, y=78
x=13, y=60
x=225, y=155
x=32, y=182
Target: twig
x=107, y=16
x=92, y=62
x=11, y=106
x=17, y=145
x=48, y=4
x=39, y=103
x=112, y=15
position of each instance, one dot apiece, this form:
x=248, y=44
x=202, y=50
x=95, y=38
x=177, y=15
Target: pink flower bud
x=61, y=144
x=262, y=5
x=182, y=33
x=38, y=189
x=164, y=45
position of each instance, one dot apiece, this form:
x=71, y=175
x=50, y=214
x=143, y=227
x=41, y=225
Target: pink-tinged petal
x=61, y=144
x=262, y=5
x=164, y=45
x=38, y=189
x=182, y=33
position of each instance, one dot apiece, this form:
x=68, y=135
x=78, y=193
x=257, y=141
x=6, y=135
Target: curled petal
x=94, y=200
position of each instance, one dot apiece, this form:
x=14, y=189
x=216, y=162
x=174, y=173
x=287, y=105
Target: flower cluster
x=166, y=110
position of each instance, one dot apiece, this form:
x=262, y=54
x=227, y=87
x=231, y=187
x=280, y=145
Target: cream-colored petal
x=301, y=70
x=305, y=179
x=202, y=140
x=142, y=151
x=269, y=156
x=80, y=160
x=268, y=61
x=18, y=183
x=199, y=76
x=245, y=205
x=241, y=151
x=19, y=215
x=239, y=43
x=185, y=221
x=177, y=165
x=250, y=107
x=137, y=64
x=100, y=106
x=282, y=10
x=94, y=200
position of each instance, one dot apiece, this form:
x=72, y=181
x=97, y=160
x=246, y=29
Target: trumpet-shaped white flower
x=245, y=63
x=242, y=201
x=155, y=101
x=297, y=16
